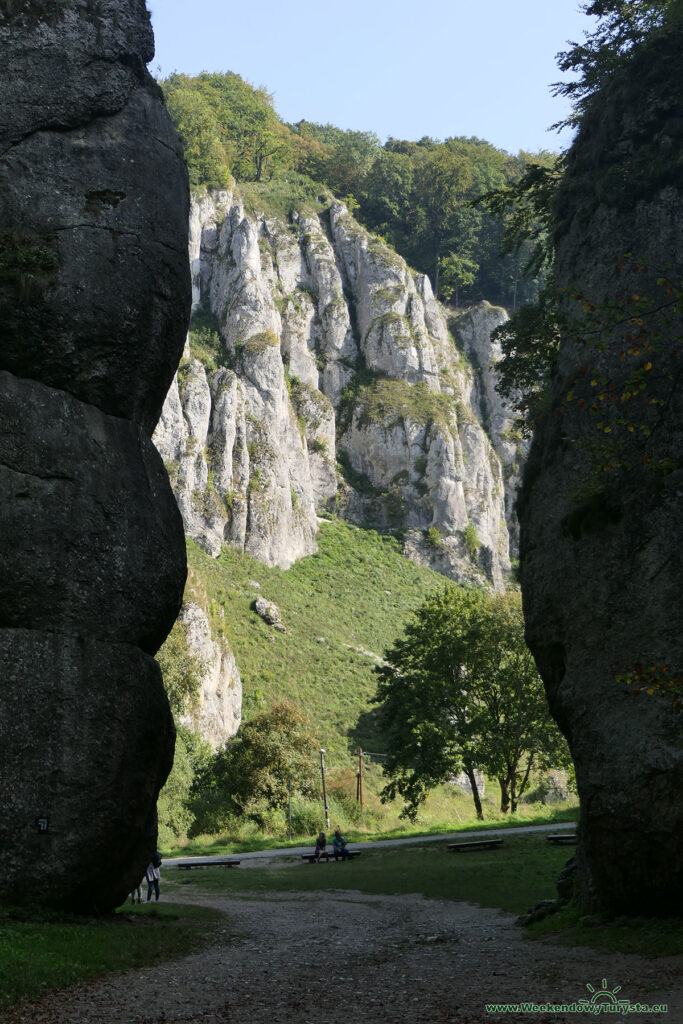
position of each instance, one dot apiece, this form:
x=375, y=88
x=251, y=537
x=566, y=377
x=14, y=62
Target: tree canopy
x=622, y=26
x=459, y=691
x=420, y=196
x=227, y=127
x=252, y=773
x=530, y=208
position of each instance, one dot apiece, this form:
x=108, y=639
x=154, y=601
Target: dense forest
x=422, y=197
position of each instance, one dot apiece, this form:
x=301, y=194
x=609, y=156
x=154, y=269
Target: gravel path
x=359, y=959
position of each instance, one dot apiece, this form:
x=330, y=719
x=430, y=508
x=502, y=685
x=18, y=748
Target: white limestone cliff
x=219, y=712
x=333, y=355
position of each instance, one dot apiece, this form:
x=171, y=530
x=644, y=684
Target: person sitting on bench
x=321, y=848
x=339, y=848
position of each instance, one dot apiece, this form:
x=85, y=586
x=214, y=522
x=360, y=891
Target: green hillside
x=341, y=607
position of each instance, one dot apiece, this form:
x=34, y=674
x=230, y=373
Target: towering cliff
x=331, y=353
x=94, y=302
x=601, y=510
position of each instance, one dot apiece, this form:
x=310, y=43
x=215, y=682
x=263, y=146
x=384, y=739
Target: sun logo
x=604, y=995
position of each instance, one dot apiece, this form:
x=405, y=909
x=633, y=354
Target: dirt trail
x=312, y=958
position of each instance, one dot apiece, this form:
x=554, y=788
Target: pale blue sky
x=397, y=67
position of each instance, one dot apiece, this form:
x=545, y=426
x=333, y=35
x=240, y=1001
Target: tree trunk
x=437, y=268
x=469, y=772
x=525, y=780
x=504, y=796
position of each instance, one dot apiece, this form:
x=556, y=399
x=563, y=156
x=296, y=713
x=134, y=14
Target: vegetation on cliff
x=420, y=196
x=635, y=162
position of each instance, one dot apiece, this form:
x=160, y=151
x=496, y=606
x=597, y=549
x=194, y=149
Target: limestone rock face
x=497, y=414
x=219, y=713
x=332, y=349
x=94, y=299
x=602, y=504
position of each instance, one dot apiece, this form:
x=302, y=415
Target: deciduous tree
x=460, y=692
x=253, y=771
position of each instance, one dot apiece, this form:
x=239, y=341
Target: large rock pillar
x=602, y=503
x=94, y=304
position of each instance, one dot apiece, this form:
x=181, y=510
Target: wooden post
x=360, y=777
x=289, y=810
x=322, y=769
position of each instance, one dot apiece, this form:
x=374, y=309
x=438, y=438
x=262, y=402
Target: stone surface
x=497, y=414
x=268, y=611
x=94, y=302
x=602, y=512
x=86, y=737
x=83, y=148
x=219, y=713
x=90, y=536
x=333, y=348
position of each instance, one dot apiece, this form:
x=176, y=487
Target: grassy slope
x=351, y=598
x=340, y=607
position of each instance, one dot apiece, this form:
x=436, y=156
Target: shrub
x=433, y=538
x=471, y=541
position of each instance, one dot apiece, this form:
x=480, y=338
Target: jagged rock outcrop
x=219, y=712
x=498, y=415
x=332, y=349
x=94, y=297
x=602, y=503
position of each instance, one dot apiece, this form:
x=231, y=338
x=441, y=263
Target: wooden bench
x=483, y=844
x=310, y=857
x=563, y=840
x=206, y=862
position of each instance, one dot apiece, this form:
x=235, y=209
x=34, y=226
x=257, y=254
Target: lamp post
x=322, y=770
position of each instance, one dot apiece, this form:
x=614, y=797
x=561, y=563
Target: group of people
x=339, y=847
x=152, y=877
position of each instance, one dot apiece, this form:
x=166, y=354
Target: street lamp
x=322, y=770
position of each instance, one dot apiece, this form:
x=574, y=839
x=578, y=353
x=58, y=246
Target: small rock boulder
x=268, y=611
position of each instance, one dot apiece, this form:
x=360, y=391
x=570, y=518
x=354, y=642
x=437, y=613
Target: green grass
x=341, y=607
x=513, y=877
x=205, y=846
x=648, y=936
x=40, y=952
x=386, y=401
x=284, y=195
